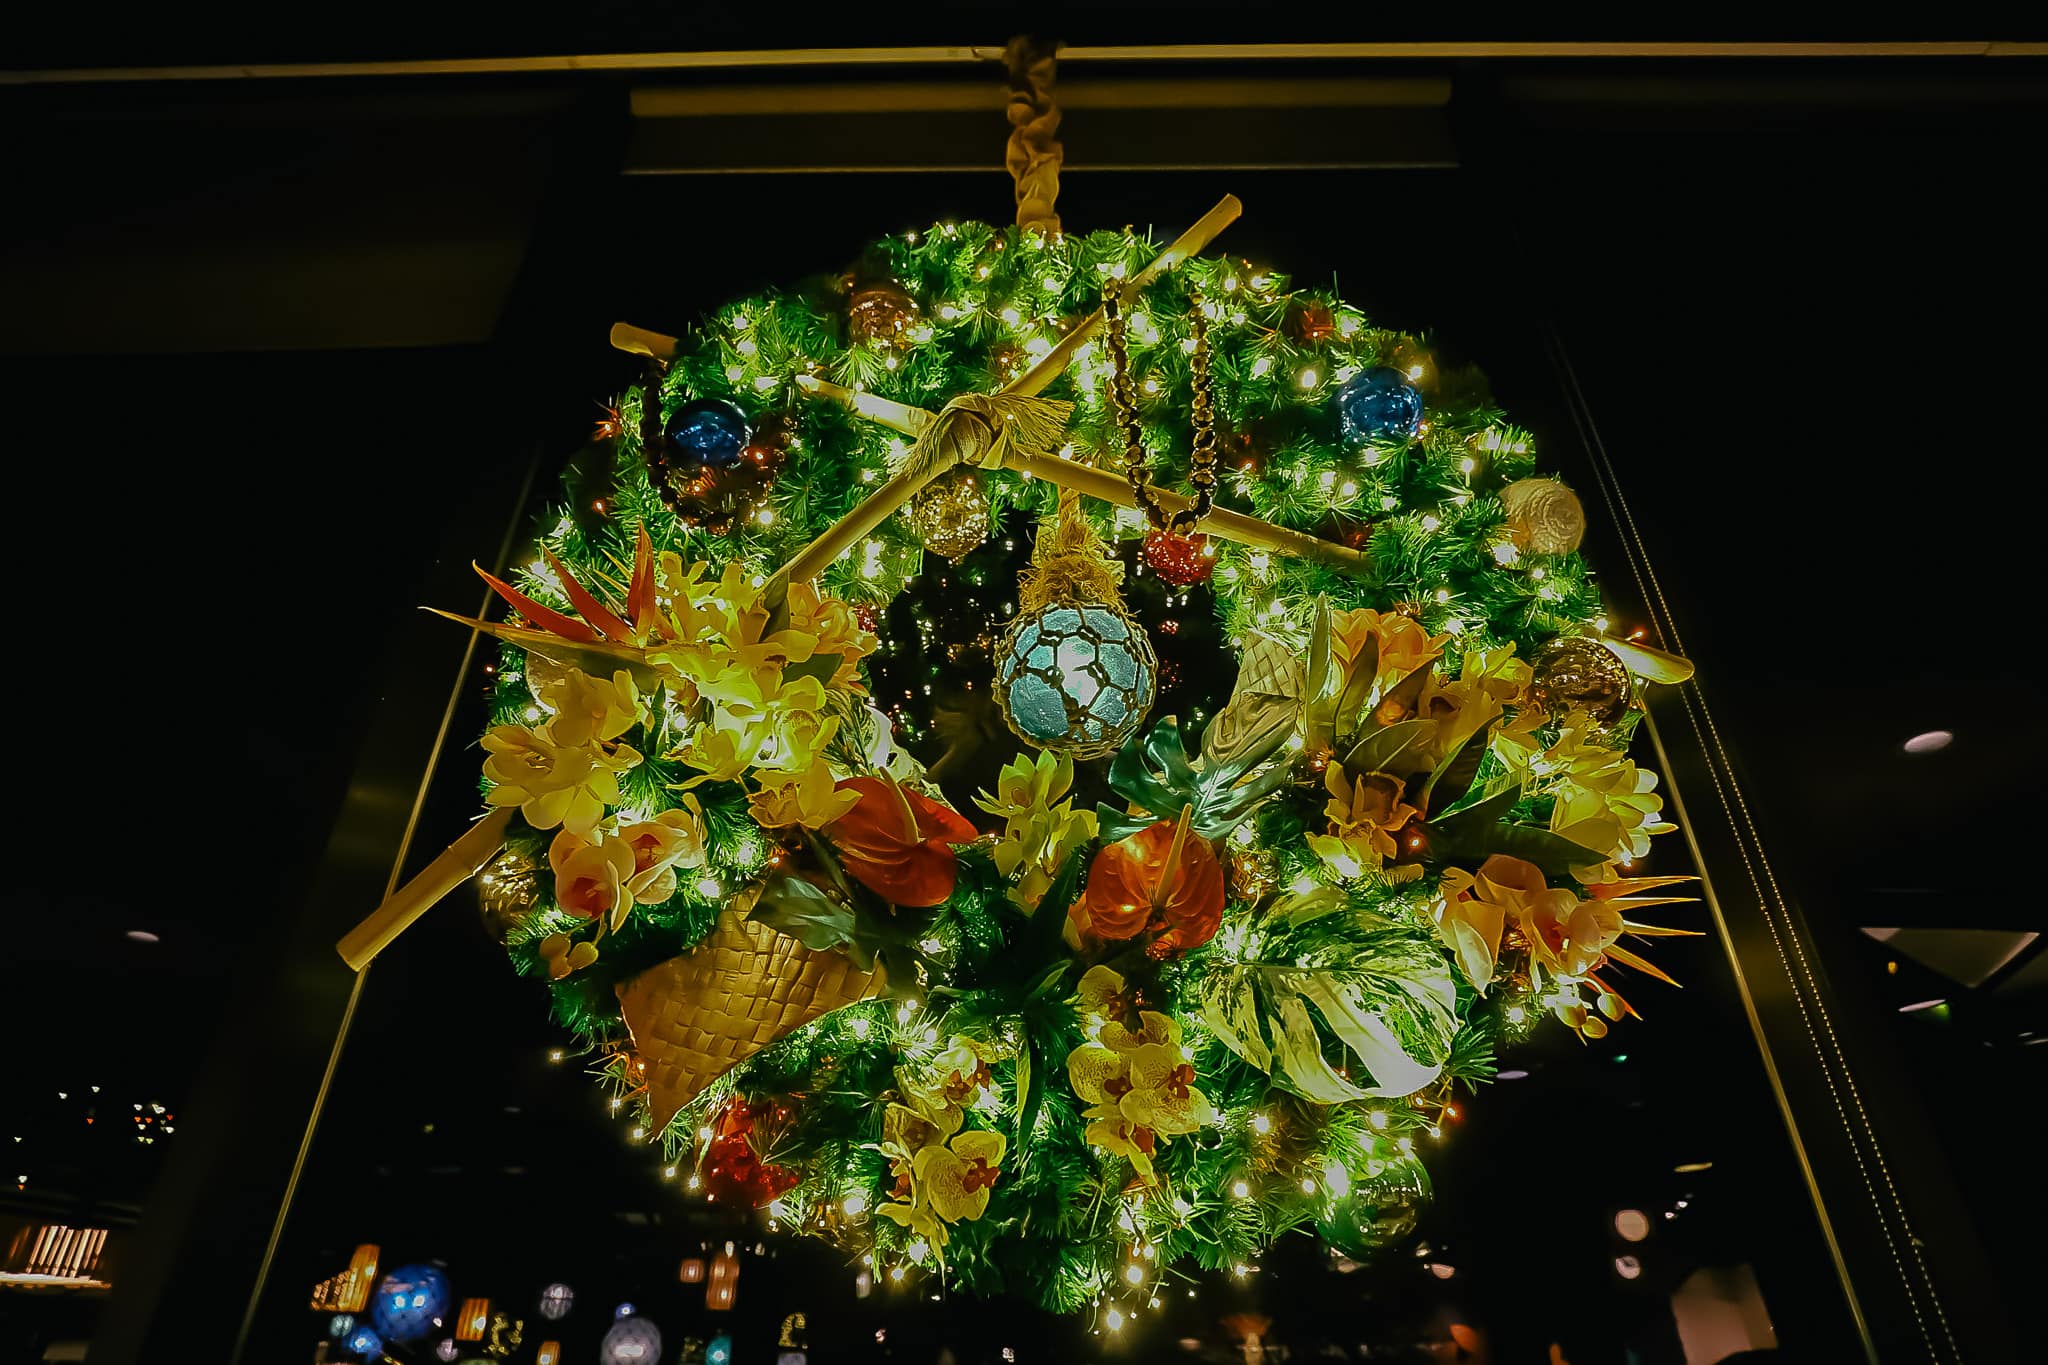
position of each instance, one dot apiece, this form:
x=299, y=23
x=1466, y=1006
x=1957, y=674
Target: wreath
x=879, y=805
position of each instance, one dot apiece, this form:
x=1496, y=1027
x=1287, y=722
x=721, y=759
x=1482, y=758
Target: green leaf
x=1462, y=826
x=1232, y=1013
x=1299, y=1050
x=802, y=909
x=819, y=666
x=1399, y=1023
x=1153, y=774
x=1458, y=768
x=1553, y=853
x=1023, y=1079
x=1318, y=703
x=1378, y=751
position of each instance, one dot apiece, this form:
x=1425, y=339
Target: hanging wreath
x=1050, y=1013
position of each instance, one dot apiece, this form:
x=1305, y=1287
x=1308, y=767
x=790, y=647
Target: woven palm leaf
x=697, y=1016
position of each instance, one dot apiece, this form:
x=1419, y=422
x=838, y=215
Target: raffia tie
x=976, y=428
x=1069, y=564
x=1034, y=153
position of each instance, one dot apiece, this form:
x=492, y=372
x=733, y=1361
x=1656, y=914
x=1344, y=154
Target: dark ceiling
x=264, y=336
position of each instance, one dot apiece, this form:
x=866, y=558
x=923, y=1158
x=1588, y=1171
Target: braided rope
x=1034, y=153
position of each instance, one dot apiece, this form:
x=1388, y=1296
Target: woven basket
x=697, y=1016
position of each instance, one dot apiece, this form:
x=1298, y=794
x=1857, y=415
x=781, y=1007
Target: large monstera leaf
x=1385, y=993
x=1156, y=777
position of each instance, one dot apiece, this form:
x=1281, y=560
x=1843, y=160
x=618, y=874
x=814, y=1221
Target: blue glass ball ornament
x=408, y=1301
x=1076, y=679
x=631, y=1341
x=624, y=1310
x=707, y=434
x=365, y=1343
x=556, y=1301
x=1376, y=405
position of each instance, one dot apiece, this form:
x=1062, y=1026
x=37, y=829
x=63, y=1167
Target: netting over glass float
x=556, y=1301
x=1077, y=679
x=630, y=1341
x=994, y=919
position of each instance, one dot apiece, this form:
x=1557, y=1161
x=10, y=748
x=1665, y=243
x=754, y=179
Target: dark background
x=279, y=357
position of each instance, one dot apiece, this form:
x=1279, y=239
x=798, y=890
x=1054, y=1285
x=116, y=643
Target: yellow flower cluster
x=1603, y=800
x=1041, y=829
x=755, y=708
x=943, y=1175
x=1139, y=1084
x=565, y=771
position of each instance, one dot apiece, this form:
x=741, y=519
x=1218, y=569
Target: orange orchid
x=1157, y=880
x=896, y=842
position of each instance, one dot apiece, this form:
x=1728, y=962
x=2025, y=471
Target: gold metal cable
x=1809, y=1000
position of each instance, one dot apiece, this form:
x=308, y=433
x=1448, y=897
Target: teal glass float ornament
x=1378, y=405
x=409, y=1302
x=340, y=1325
x=1077, y=678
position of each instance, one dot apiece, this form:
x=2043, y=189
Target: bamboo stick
x=879, y=505
x=1221, y=521
x=457, y=864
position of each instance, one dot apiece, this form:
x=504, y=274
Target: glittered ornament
x=707, y=434
x=1077, y=679
x=880, y=312
x=1182, y=560
x=1543, y=516
x=507, y=890
x=1578, y=674
x=950, y=514
x=1312, y=322
x=733, y=1170
x=1377, y=405
x=1372, y=1212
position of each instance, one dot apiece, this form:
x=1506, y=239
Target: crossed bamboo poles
x=482, y=842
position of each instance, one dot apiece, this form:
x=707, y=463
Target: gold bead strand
x=1124, y=403
x=1202, y=455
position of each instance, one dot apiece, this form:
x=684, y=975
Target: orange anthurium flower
x=1157, y=879
x=895, y=841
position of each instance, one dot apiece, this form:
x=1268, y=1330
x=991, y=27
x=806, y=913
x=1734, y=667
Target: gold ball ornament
x=1544, y=517
x=1581, y=675
x=880, y=312
x=950, y=514
x=507, y=890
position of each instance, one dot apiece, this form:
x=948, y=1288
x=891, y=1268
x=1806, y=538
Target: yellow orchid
x=1139, y=1087
x=810, y=799
x=915, y=1214
x=963, y=1069
x=1469, y=925
x=1153, y=1028
x=1404, y=645
x=1504, y=677
x=1163, y=1096
x=553, y=784
x=590, y=877
x=1460, y=708
x=1040, y=830
x=1567, y=936
x=956, y=1178
x=798, y=739
x=1363, y=818
x=1118, y=1136
x=588, y=709
x=719, y=754
x=836, y=630
x=1101, y=996
x=674, y=838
